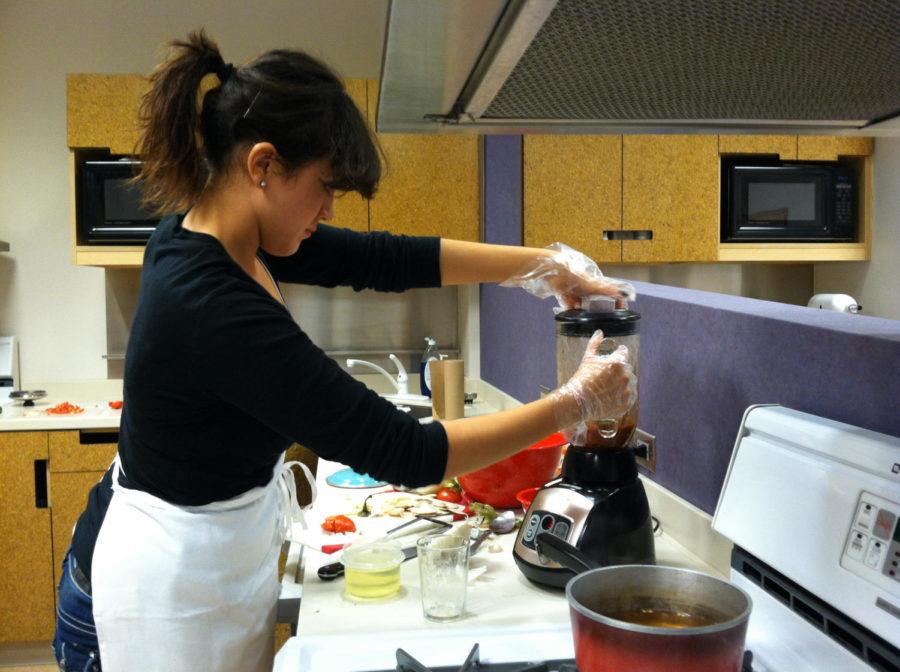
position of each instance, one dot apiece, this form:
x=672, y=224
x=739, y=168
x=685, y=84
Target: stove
x=472, y=663
x=813, y=508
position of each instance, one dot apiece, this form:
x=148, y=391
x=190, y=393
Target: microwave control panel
x=844, y=203
x=872, y=547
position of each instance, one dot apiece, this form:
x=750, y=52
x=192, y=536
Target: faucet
x=400, y=383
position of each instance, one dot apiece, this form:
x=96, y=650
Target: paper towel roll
x=447, y=389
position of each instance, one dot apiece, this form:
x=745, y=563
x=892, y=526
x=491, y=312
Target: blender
x=598, y=504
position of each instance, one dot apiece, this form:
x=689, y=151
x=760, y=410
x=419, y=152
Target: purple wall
x=517, y=332
x=705, y=357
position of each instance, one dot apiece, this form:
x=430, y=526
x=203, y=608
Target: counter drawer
x=82, y=450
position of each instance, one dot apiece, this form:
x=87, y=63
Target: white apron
x=191, y=588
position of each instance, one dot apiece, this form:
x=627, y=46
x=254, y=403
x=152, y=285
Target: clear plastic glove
x=603, y=386
x=569, y=275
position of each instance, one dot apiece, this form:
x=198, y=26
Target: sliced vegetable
x=486, y=511
x=116, y=405
x=65, y=408
x=339, y=524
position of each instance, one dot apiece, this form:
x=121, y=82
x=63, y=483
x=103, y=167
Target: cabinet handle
x=94, y=437
x=631, y=234
x=40, y=484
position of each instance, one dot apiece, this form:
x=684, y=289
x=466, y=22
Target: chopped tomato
x=65, y=408
x=338, y=524
x=115, y=405
x=449, y=495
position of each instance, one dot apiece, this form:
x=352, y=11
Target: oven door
x=778, y=203
x=110, y=208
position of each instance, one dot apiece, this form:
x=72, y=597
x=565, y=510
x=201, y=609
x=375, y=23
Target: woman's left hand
x=569, y=276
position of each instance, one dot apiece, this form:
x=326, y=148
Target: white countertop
x=500, y=601
x=96, y=415
x=94, y=397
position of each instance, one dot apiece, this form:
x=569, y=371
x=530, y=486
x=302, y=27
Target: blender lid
x=578, y=322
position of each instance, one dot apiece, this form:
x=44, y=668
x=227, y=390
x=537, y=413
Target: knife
x=336, y=569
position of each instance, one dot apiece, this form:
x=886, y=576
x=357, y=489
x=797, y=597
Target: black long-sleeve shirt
x=220, y=380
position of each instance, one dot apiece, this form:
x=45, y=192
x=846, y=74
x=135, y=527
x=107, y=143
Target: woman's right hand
x=604, y=386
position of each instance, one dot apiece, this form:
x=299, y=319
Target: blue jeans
x=75, y=641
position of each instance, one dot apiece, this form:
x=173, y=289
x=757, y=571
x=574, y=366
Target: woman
x=173, y=565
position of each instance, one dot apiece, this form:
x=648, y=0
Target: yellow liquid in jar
x=371, y=584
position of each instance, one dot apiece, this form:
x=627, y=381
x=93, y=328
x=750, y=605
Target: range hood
x=641, y=66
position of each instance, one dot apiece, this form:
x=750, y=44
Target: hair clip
x=247, y=111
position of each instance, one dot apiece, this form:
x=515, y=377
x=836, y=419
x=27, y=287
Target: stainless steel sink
x=418, y=412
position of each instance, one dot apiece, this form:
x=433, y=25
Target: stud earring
x=262, y=183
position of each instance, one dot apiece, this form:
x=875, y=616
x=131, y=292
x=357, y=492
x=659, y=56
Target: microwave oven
x=109, y=210
x=779, y=201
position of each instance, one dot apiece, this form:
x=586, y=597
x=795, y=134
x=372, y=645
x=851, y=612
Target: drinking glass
x=443, y=575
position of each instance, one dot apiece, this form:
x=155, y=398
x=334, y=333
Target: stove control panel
x=872, y=548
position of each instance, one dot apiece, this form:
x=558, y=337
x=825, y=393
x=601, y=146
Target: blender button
x=561, y=530
x=547, y=522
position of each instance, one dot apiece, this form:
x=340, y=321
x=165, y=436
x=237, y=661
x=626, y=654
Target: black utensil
x=564, y=553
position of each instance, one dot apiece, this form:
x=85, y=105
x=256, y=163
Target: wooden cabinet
x=78, y=459
x=783, y=146
x=593, y=192
x=26, y=582
x=573, y=192
x=44, y=481
x=832, y=147
x=670, y=186
x=431, y=183
x=854, y=151
x=102, y=111
x=351, y=210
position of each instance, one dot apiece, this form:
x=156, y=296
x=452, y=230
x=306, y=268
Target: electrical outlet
x=644, y=446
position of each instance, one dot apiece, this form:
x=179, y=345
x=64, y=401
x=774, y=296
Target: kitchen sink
x=418, y=412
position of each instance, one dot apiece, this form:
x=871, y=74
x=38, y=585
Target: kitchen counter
x=94, y=397
x=342, y=634
x=96, y=415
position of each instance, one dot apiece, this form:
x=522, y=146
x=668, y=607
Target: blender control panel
x=546, y=521
x=872, y=548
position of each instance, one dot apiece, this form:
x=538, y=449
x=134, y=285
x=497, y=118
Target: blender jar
x=574, y=329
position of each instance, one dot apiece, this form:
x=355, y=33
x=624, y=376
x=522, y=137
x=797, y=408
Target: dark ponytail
x=284, y=97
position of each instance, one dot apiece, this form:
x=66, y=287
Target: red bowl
x=498, y=484
x=526, y=496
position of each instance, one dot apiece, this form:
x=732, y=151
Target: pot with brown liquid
x=651, y=618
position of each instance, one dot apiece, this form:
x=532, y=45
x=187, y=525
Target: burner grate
x=406, y=663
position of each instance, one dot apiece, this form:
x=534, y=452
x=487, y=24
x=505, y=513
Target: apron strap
x=287, y=488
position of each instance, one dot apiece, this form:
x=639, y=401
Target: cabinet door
x=78, y=459
x=351, y=210
x=103, y=111
x=830, y=147
x=69, y=493
x=573, y=192
x=671, y=187
x=431, y=184
x=82, y=450
x=784, y=146
x=26, y=582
